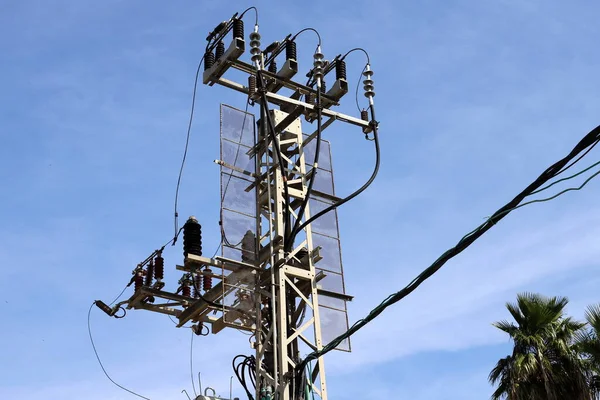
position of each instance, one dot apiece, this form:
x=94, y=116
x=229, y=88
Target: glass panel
x=237, y=125
x=323, y=182
x=330, y=251
x=235, y=154
x=332, y=282
x=332, y=302
x=324, y=154
x=234, y=195
x=333, y=324
x=235, y=227
x=326, y=224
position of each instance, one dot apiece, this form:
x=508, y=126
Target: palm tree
x=543, y=364
x=588, y=344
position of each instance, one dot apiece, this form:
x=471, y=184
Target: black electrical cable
x=187, y=141
x=192, y=364
x=304, y=30
x=589, y=140
x=289, y=242
x=255, y=13
x=100, y=362
x=579, y=158
x=271, y=130
x=363, y=187
x=239, y=374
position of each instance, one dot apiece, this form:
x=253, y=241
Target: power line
x=589, y=140
x=363, y=187
x=100, y=362
x=192, y=363
x=187, y=141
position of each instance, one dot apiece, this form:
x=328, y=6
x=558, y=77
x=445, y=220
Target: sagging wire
x=364, y=186
x=255, y=14
x=361, y=73
x=187, y=141
x=591, y=139
x=305, y=30
x=100, y=361
x=192, y=364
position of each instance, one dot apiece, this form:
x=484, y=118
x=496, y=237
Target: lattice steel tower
x=280, y=274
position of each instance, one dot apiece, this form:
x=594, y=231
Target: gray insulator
x=318, y=64
x=368, y=83
x=255, y=46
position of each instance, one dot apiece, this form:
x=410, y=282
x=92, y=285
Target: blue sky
x=475, y=99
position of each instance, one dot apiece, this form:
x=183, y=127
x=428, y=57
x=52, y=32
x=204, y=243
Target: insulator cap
x=159, y=267
x=251, y=85
x=273, y=67
x=238, y=29
x=368, y=82
x=192, y=237
x=149, y=273
x=209, y=60
x=255, y=46
x=207, y=279
x=318, y=64
x=220, y=50
x=290, y=50
x=340, y=69
x=364, y=115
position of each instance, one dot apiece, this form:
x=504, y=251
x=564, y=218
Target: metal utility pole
x=279, y=277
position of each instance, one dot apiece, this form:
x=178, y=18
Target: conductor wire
x=100, y=362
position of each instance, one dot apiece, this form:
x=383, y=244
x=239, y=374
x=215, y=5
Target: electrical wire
x=360, y=76
x=100, y=362
x=271, y=129
x=358, y=86
x=579, y=158
x=255, y=13
x=589, y=140
x=363, y=187
x=289, y=242
x=187, y=141
x=305, y=30
x=192, y=364
x=565, y=179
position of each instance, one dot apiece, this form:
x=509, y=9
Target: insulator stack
x=251, y=85
x=340, y=69
x=159, y=267
x=149, y=273
x=139, y=281
x=309, y=98
x=318, y=64
x=290, y=51
x=273, y=67
x=207, y=279
x=323, y=87
x=255, y=47
x=368, y=82
x=220, y=50
x=197, y=285
x=186, y=291
x=192, y=237
x=238, y=29
x=209, y=60
x=364, y=115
